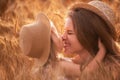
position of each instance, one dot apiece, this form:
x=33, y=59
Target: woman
x=85, y=24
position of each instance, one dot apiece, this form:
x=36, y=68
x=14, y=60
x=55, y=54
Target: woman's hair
x=89, y=27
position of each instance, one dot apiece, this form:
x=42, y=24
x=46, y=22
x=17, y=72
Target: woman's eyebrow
x=70, y=31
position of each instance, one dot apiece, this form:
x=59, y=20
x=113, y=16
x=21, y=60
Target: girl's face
x=70, y=41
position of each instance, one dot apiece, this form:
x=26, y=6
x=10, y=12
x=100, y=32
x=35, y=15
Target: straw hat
x=35, y=39
x=101, y=9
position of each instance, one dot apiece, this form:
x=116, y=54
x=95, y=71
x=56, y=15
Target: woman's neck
x=85, y=57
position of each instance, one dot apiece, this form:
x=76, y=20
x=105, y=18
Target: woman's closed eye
x=70, y=32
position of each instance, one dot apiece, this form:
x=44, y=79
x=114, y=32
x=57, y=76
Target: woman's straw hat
x=101, y=9
x=35, y=39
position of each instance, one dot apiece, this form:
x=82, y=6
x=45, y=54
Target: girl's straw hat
x=35, y=39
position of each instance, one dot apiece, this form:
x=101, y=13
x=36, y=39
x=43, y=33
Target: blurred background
x=16, y=13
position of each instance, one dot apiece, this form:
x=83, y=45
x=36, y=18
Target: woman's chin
x=67, y=52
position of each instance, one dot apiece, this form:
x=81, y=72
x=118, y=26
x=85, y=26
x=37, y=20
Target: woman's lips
x=66, y=45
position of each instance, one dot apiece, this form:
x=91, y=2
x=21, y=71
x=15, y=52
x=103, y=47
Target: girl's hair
x=52, y=59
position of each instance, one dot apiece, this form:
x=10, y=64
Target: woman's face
x=70, y=41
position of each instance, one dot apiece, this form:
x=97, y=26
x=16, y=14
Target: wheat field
x=16, y=13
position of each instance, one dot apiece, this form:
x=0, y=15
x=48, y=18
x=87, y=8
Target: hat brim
x=95, y=10
x=32, y=34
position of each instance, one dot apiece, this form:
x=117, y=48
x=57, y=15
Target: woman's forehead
x=68, y=23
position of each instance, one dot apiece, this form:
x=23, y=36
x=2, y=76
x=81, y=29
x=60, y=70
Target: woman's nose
x=64, y=36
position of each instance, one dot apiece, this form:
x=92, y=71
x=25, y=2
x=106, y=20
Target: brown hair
x=90, y=27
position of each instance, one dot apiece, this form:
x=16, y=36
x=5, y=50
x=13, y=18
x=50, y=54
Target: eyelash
x=70, y=33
